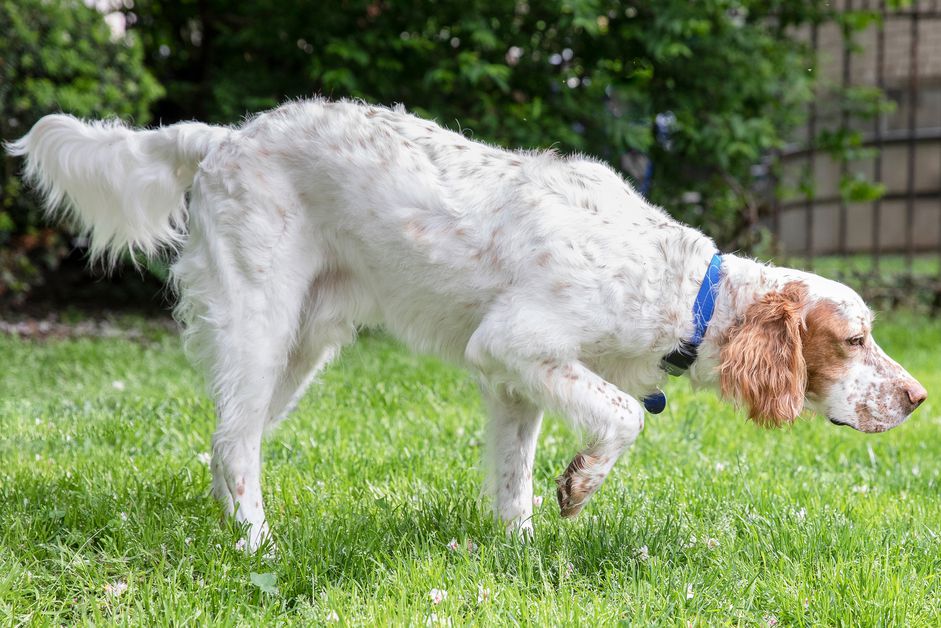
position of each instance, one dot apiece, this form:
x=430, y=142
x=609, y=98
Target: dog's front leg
x=611, y=418
x=511, y=447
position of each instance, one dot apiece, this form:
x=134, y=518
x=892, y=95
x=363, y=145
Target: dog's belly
x=430, y=303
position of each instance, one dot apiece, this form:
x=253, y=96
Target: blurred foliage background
x=701, y=90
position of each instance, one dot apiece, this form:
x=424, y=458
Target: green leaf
x=857, y=189
x=267, y=582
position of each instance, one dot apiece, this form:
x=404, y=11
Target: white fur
x=548, y=276
x=125, y=187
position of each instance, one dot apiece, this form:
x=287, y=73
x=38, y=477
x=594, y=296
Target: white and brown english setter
x=547, y=276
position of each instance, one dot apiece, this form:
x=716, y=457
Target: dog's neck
x=743, y=282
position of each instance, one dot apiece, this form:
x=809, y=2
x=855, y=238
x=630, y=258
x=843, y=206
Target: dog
x=548, y=276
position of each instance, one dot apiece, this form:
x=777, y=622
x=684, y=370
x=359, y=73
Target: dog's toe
x=570, y=501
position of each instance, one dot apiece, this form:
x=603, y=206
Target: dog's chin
x=869, y=427
x=840, y=423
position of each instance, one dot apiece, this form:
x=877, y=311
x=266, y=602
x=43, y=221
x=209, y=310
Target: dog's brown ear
x=762, y=361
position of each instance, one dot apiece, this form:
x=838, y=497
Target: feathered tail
x=125, y=188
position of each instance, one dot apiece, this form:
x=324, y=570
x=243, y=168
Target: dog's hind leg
x=511, y=435
x=244, y=280
x=277, y=385
x=323, y=331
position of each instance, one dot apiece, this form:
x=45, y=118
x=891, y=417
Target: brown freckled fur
x=575, y=486
x=415, y=230
x=762, y=363
x=825, y=351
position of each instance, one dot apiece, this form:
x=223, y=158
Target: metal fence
x=814, y=217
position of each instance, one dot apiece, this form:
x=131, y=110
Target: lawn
x=106, y=517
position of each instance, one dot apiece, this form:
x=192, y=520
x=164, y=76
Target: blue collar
x=678, y=361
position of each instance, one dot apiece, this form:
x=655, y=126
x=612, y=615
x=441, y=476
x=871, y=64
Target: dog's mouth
x=867, y=428
x=836, y=422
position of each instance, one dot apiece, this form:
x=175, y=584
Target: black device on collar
x=678, y=362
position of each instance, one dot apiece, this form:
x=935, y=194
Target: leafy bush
x=725, y=76
x=56, y=55
x=582, y=75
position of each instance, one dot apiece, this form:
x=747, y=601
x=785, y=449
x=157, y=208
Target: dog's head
x=809, y=344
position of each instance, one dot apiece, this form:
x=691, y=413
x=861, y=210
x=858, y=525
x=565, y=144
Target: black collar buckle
x=678, y=362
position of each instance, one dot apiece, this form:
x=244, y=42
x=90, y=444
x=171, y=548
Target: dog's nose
x=916, y=393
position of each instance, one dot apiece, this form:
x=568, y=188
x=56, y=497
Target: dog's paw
x=257, y=539
x=522, y=531
x=575, y=487
x=571, y=501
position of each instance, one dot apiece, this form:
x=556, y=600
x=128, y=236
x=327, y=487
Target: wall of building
x=901, y=164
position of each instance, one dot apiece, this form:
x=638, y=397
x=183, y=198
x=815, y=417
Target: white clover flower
x=537, y=501
x=689, y=591
x=118, y=385
x=712, y=543
x=116, y=589
x=453, y=545
x=437, y=596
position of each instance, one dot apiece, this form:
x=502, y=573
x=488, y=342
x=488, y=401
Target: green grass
x=378, y=470
x=848, y=266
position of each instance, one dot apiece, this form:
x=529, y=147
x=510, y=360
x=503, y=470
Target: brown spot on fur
x=415, y=230
x=543, y=259
x=762, y=363
x=867, y=422
x=574, y=486
x=824, y=346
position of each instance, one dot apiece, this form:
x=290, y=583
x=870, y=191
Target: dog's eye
x=856, y=341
